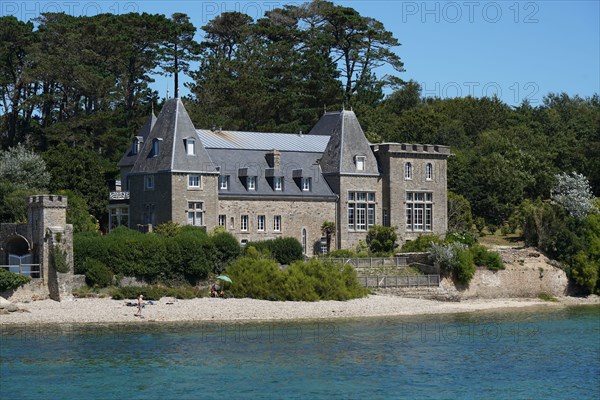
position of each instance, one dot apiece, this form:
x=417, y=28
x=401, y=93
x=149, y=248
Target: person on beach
x=140, y=305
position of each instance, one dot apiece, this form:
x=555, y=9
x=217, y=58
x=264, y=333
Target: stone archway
x=19, y=256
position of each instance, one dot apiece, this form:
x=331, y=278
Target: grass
x=498, y=239
x=546, y=297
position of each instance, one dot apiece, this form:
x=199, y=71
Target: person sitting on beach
x=140, y=305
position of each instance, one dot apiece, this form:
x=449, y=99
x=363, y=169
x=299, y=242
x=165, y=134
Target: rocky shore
x=97, y=310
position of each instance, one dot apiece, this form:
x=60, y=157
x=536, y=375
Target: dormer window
x=408, y=171
x=190, y=147
x=224, y=182
x=306, y=184
x=155, y=147
x=135, y=146
x=251, y=182
x=360, y=162
x=428, y=171
x=278, y=183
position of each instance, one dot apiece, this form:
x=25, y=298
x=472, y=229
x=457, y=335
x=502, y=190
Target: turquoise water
x=553, y=354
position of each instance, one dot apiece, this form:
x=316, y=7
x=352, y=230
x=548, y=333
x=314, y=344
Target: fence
x=30, y=270
x=399, y=261
x=389, y=281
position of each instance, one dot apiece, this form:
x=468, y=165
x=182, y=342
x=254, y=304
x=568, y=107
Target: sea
x=533, y=353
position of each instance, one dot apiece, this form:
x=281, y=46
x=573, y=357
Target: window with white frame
x=251, y=181
x=190, y=147
x=407, y=170
x=155, y=147
x=429, y=171
x=194, y=181
x=224, y=182
x=260, y=223
x=361, y=210
x=135, y=148
x=195, y=213
x=306, y=184
x=360, y=163
x=277, y=223
x=149, y=182
x=278, y=183
x=222, y=220
x=244, y=223
x=419, y=211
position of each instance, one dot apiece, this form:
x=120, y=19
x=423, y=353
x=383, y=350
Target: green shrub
x=227, y=249
x=98, y=274
x=313, y=280
x=485, y=258
x=454, y=259
x=382, y=240
x=10, y=280
x=421, y=244
x=58, y=258
x=284, y=250
x=467, y=238
x=464, y=266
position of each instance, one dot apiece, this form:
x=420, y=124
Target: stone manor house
x=262, y=186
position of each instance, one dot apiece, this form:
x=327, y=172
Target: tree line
x=76, y=89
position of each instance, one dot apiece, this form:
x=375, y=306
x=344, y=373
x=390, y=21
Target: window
x=386, y=221
x=190, y=147
x=278, y=183
x=360, y=163
x=194, y=181
x=251, y=182
x=155, y=147
x=408, y=171
x=419, y=211
x=277, y=223
x=222, y=220
x=135, y=148
x=244, y=242
x=118, y=217
x=195, y=213
x=361, y=210
x=429, y=171
x=224, y=182
x=149, y=182
x=304, y=240
x=323, y=244
x=260, y=223
x=244, y=223
x=306, y=183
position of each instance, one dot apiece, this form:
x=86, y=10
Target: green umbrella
x=224, y=278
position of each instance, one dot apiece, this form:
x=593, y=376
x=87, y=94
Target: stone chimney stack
x=274, y=159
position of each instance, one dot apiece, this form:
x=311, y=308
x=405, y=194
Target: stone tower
x=47, y=229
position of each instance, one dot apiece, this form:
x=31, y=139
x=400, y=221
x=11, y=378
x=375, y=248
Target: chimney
x=274, y=159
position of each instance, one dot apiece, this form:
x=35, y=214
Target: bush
x=284, y=250
x=11, y=280
x=485, y=258
x=98, y=274
x=420, y=244
x=227, y=249
x=313, y=280
x=467, y=238
x=454, y=259
x=58, y=258
x=382, y=240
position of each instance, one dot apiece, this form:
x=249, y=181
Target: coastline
x=101, y=311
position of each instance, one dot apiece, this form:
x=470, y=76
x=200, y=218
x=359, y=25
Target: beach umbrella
x=224, y=278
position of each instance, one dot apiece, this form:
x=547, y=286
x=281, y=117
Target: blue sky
x=515, y=49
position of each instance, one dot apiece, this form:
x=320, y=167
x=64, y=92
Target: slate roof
x=262, y=141
x=129, y=158
x=347, y=141
x=231, y=161
x=172, y=127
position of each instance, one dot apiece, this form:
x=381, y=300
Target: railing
x=118, y=196
x=31, y=270
x=369, y=262
x=389, y=281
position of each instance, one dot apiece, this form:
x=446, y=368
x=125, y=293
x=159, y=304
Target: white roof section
x=221, y=139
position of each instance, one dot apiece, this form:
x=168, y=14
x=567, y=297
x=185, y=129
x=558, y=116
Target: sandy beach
x=96, y=310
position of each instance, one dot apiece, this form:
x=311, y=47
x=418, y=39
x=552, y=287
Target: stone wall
x=207, y=193
x=295, y=216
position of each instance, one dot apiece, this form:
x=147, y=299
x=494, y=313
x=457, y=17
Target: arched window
x=408, y=171
x=429, y=171
x=304, y=240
